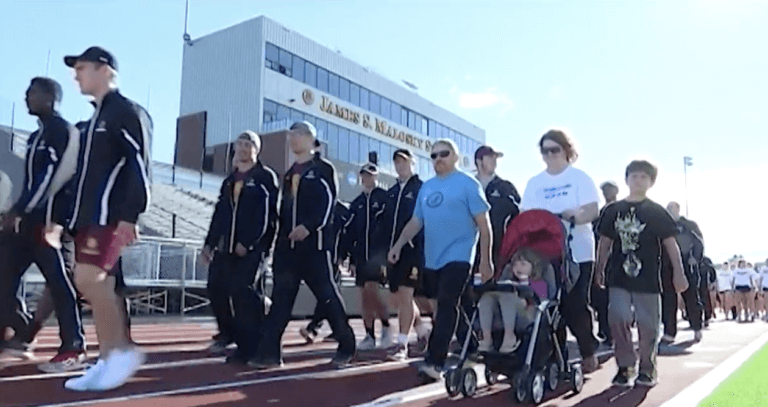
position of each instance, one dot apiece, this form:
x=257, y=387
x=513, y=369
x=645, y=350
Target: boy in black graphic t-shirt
x=633, y=231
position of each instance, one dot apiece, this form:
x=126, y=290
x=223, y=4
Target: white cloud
x=489, y=98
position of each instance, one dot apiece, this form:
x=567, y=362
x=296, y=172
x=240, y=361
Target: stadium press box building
x=262, y=76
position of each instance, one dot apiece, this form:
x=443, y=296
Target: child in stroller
x=535, y=244
x=526, y=269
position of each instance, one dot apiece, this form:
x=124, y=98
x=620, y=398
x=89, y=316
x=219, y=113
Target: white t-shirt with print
x=744, y=277
x=724, y=280
x=570, y=189
x=5, y=192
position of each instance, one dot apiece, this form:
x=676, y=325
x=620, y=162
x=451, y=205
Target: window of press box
x=364, y=149
x=354, y=145
x=344, y=89
x=354, y=94
x=298, y=69
x=375, y=103
x=404, y=117
x=296, y=116
x=343, y=147
x=333, y=84
x=271, y=57
x=322, y=129
x=333, y=141
x=310, y=74
x=286, y=60
x=365, y=98
x=396, y=112
x=386, y=107
x=322, y=80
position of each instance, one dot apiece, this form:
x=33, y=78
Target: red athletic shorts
x=100, y=246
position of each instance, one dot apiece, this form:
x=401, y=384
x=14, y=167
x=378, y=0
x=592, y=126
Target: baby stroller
x=541, y=360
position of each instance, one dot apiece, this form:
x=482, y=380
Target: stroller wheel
x=468, y=382
x=537, y=383
x=490, y=377
x=521, y=390
x=452, y=382
x=553, y=376
x=577, y=378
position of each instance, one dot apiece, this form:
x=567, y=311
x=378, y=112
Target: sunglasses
x=441, y=154
x=551, y=150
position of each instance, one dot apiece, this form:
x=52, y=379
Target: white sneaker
x=400, y=353
x=121, y=366
x=485, y=346
x=87, y=380
x=386, y=340
x=367, y=344
x=509, y=346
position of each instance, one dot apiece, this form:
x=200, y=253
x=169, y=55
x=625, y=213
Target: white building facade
x=262, y=76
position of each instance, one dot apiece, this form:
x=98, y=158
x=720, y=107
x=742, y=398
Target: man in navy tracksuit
x=501, y=195
x=368, y=255
x=241, y=234
x=304, y=248
x=341, y=217
x=403, y=276
x=113, y=189
x=34, y=229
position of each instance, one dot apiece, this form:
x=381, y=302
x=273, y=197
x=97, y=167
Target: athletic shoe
x=509, y=348
x=697, y=336
x=422, y=342
x=645, y=379
x=368, y=343
x=341, y=361
x=431, y=371
x=387, y=339
x=265, y=364
x=64, y=362
x=307, y=335
x=219, y=346
x=86, y=381
x=237, y=359
x=399, y=354
x=667, y=339
x=121, y=366
x=18, y=349
x=623, y=378
x=589, y=364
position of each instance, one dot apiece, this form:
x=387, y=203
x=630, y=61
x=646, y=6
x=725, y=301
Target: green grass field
x=746, y=387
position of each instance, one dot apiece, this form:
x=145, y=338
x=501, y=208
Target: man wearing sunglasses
x=452, y=209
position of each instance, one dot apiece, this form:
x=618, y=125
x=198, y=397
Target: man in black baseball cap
x=92, y=54
x=500, y=193
x=368, y=255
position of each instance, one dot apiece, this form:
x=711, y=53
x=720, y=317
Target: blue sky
x=654, y=79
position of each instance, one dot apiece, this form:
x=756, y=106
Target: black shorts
x=403, y=274
x=743, y=288
x=429, y=281
x=371, y=271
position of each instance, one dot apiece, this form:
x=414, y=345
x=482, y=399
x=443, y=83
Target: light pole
x=687, y=162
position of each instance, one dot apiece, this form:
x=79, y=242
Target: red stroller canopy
x=538, y=230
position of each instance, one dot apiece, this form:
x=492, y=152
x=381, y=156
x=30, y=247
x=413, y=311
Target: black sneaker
x=645, y=379
x=18, y=349
x=623, y=378
x=237, y=359
x=265, y=364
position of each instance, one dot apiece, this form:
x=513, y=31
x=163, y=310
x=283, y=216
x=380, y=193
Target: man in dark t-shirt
x=633, y=231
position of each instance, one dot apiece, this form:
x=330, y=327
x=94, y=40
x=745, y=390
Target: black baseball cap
x=486, y=150
x=92, y=54
x=402, y=152
x=369, y=168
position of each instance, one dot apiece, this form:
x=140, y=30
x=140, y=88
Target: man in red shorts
x=112, y=191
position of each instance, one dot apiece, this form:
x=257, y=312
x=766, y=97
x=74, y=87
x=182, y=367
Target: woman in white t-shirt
x=5, y=192
x=570, y=193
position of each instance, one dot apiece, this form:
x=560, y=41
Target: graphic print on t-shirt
x=629, y=229
x=555, y=192
x=435, y=199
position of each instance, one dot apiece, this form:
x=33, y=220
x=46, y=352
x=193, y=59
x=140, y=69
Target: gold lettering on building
x=380, y=126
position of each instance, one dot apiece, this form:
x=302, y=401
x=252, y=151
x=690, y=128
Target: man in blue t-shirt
x=452, y=209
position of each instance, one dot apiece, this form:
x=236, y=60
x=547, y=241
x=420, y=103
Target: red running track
x=179, y=373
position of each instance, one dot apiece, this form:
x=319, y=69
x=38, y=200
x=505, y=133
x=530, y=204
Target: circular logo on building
x=435, y=199
x=308, y=96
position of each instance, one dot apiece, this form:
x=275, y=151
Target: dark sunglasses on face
x=441, y=154
x=551, y=150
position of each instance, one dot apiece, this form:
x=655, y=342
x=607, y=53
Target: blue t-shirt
x=447, y=207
